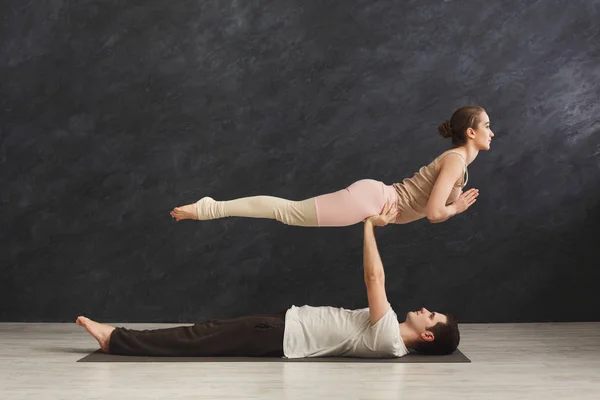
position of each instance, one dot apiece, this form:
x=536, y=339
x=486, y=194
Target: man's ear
x=428, y=336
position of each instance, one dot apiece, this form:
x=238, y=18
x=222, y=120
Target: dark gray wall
x=113, y=113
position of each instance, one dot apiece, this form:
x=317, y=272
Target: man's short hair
x=446, y=338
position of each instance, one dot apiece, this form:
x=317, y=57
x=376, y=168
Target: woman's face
x=482, y=135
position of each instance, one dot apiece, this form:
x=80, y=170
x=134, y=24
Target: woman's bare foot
x=100, y=332
x=185, y=212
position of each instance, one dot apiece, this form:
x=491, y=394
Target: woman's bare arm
x=451, y=169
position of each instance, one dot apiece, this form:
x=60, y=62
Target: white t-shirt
x=331, y=331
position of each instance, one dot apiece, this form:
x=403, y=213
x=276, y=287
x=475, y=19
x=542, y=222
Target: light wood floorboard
x=509, y=361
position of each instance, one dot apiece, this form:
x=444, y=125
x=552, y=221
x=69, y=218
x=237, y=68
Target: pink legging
x=358, y=201
x=345, y=207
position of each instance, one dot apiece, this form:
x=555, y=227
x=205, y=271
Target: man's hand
x=387, y=215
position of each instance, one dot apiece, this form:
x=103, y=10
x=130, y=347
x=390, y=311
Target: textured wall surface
x=112, y=113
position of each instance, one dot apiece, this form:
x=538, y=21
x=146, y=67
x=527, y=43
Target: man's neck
x=409, y=337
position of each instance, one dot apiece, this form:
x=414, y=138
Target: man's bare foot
x=185, y=212
x=100, y=332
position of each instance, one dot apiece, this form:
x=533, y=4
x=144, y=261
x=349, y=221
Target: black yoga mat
x=456, y=357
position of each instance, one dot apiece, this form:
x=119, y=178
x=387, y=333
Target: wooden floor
x=509, y=361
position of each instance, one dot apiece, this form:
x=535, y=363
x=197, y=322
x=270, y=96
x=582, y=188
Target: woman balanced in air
x=434, y=192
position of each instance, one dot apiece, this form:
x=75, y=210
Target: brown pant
x=248, y=336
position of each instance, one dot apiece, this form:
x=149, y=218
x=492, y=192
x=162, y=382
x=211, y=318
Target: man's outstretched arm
x=373, y=266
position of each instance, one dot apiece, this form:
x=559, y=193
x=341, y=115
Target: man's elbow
x=375, y=277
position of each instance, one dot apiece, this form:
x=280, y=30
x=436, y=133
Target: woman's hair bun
x=445, y=129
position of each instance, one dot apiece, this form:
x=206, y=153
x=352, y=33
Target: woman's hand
x=387, y=215
x=465, y=200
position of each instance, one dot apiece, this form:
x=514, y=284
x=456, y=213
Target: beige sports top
x=413, y=193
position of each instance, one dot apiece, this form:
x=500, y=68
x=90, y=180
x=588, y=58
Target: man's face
x=422, y=319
